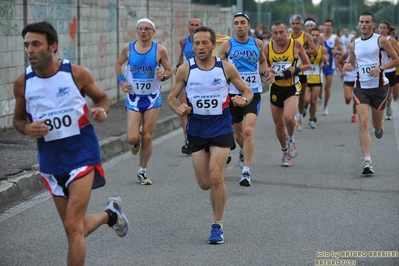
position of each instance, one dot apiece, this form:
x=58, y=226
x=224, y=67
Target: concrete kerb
x=28, y=184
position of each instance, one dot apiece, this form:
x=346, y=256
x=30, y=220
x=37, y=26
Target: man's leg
x=364, y=135
x=290, y=106
x=279, y=123
x=327, y=92
x=72, y=212
x=249, y=142
x=184, y=121
x=150, y=118
x=133, y=123
x=314, y=95
x=218, y=193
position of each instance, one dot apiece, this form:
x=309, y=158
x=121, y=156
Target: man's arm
x=388, y=48
x=223, y=50
x=85, y=81
x=311, y=47
x=306, y=65
x=338, y=46
x=180, y=60
x=20, y=120
x=177, y=87
x=165, y=63
x=123, y=57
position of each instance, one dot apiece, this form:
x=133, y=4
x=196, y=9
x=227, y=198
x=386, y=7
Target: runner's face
x=309, y=27
x=315, y=36
x=328, y=27
x=366, y=24
x=296, y=26
x=202, y=45
x=279, y=34
x=38, y=51
x=383, y=29
x=145, y=31
x=194, y=22
x=241, y=26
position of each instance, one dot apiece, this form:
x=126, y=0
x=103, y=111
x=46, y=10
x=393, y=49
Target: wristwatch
x=164, y=77
x=382, y=68
x=246, y=100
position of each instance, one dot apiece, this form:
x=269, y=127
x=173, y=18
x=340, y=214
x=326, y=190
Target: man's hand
x=238, y=100
x=183, y=109
x=37, y=129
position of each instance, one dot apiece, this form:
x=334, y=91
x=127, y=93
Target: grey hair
x=296, y=17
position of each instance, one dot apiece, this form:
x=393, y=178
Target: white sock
x=245, y=169
x=142, y=169
x=367, y=158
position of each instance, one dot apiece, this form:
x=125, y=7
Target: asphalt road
x=320, y=210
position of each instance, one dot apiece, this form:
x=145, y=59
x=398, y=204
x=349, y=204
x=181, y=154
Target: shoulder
x=19, y=83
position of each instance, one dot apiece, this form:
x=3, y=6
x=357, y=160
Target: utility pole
x=239, y=6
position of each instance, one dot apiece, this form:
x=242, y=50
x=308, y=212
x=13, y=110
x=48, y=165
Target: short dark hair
x=206, y=29
x=328, y=20
x=44, y=27
x=278, y=23
x=314, y=29
x=368, y=14
x=194, y=18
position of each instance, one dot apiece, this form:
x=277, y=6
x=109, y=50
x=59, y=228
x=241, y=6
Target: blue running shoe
x=216, y=235
x=122, y=224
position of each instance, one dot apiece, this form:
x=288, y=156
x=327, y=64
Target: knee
x=248, y=132
x=146, y=139
x=73, y=228
x=238, y=136
x=132, y=140
x=204, y=185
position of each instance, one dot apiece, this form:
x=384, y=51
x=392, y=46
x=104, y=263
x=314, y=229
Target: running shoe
x=325, y=111
x=122, y=224
x=143, y=179
x=245, y=179
x=216, y=235
x=368, y=168
x=135, y=148
x=241, y=159
x=353, y=119
x=292, y=149
x=186, y=148
x=378, y=134
x=312, y=124
x=299, y=125
x=228, y=159
x=286, y=162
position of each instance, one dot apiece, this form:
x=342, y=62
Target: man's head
x=315, y=33
x=241, y=24
x=296, y=22
x=41, y=43
x=309, y=24
x=193, y=23
x=45, y=28
x=279, y=33
x=145, y=29
x=366, y=23
x=204, y=41
x=328, y=26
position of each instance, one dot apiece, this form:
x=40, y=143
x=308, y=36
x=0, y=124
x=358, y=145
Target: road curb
x=28, y=184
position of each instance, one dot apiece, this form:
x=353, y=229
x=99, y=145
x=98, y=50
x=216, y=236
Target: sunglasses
x=144, y=28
